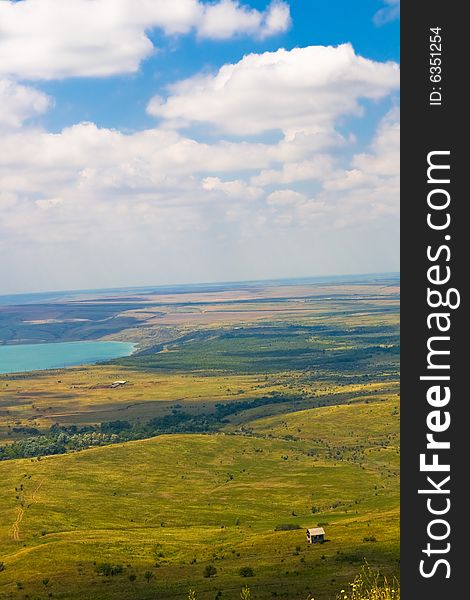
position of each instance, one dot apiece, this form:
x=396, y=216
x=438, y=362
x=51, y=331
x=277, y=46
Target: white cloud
x=285, y=198
x=94, y=158
x=276, y=20
x=259, y=93
x=390, y=12
x=317, y=168
x=350, y=179
x=19, y=103
x=232, y=189
x=228, y=18
x=49, y=39
x=48, y=203
x=290, y=208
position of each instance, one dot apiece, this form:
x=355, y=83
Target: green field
x=277, y=409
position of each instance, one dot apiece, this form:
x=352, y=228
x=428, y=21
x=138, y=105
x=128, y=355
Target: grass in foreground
x=371, y=585
x=367, y=585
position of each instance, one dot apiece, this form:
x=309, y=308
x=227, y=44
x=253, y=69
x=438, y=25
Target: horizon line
x=204, y=283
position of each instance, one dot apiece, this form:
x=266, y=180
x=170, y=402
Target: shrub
x=109, y=570
x=287, y=527
x=209, y=571
x=246, y=572
x=148, y=576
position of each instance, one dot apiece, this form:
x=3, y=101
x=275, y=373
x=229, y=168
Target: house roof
x=316, y=531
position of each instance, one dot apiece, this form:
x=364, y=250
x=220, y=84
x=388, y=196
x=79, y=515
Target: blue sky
x=202, y=142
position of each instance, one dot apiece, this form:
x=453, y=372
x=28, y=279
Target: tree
x=246, y=572
x=209, y=571
x=45, y=581
x=132, y=577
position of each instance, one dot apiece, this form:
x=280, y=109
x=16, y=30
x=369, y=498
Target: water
x=37, y=357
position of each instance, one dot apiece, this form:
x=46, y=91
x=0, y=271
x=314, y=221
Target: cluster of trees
x=229, y=408
x=60, y=439
x=55, y=443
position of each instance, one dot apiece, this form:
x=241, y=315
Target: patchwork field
x=274, y=410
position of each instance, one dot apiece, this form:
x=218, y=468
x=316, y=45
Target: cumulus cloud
x=19, y=103
x=259, y=93
x=50, y=39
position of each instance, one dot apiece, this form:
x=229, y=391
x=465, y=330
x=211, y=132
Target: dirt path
x=15, y=528
x=20, y=510
x=34, y=494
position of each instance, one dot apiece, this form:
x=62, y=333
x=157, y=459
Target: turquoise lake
x=38, y=357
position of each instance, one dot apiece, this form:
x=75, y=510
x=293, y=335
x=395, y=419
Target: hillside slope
x=173, y=504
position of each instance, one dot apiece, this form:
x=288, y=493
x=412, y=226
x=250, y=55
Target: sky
x=147, y=142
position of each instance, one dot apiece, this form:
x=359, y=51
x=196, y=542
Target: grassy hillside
x=182, y=502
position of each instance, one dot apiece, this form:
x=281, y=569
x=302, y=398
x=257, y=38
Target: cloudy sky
x=157, y=141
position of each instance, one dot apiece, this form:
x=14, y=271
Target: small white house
x=315, y=534
x=118, y=383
